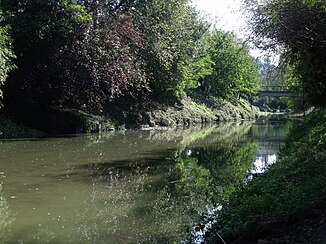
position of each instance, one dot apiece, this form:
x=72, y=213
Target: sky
x=226, y=15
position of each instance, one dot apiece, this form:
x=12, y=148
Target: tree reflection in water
x=133, y=186
x=210, y=175
x=160, y=200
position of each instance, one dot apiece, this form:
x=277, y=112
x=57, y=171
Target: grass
x=204, y=110
x=288, y=191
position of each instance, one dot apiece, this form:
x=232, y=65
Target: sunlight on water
x=262, y=163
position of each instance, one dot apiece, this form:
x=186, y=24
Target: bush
x=290, y=187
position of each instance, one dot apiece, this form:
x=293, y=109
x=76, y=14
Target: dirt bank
x=190, y=112
x=154, y=116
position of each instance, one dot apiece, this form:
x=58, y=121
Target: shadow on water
x=129, y=187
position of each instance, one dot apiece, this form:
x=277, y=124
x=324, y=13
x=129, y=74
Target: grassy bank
x=190, y=112
x=288, y=193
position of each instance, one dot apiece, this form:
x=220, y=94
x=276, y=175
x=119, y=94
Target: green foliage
x=298, y=27
x=197, y=67
x=78, y=12
x=308, y=73
x=171, y=31
x=289, y=188
x=234, y=71
x=201, y=66
x=6, y=55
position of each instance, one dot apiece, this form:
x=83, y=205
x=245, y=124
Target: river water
x=128, y=187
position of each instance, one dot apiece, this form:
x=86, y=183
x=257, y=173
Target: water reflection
x=262, y=162
x=128, y=187
x=7, y=217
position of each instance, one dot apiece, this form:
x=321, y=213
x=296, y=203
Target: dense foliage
x=290, y=187
x=172, y=30
x=69, y=55
x=298, y=28
x=233, y=71
x=6, y=55
x=103, y=55
x=272, y=78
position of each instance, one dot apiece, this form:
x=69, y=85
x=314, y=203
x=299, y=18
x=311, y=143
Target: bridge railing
x=277, y=91
x=274, y=88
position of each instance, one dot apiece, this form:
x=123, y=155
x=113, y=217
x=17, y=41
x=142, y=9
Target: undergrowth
x=287, y=191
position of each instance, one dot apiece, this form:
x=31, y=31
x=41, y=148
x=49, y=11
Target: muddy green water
x=127, y=187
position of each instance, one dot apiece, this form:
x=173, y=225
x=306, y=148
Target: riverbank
x=289, y=115
x=154, y=116
x=191, y=112
x=286, y=204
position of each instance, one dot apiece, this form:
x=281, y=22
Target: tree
x=6, y=54
x=87, y=54
x=198, y=66
x=234, y=71
x=76, y=55
x=40, y=30
x=298, y=28
x=171, y=32
x=108, y=61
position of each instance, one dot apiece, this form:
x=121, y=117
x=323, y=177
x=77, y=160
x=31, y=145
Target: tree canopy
x=229, y=70
x=93, y=55
x=298, y=27
x=6, y=56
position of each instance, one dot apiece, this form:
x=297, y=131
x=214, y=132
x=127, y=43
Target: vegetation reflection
x=144, y=186
x=160, y=200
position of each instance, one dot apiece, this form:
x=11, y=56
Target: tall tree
x=40, y=30
x=234, y=70
x=299, y=28
x=171, y=30
x=72, y=54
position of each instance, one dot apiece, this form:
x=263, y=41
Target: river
x=128, y=186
